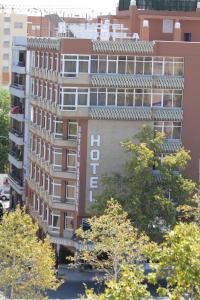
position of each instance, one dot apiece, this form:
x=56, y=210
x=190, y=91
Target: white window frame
x=67, y=217
x=54, y=214
x=71, y=154
x=69, y=199
x=70, y=136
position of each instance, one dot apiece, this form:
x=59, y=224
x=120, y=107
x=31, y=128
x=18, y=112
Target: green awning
x=170, y=146
x=135, y=114
x=137, y=81
x=125, y=46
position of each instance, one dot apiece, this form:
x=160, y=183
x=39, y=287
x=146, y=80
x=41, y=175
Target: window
x=111, y=97
x=122, y=64
x=6, y=44
x=57, y=159
x=70, y=191
x=18, y=25
x=71, y=161
x=72, y=130
x=171, y=130
x=37, y=204
x=167, y=26
x=112, y=64
x=5, y=69
x=72, y=65
x=35, y=27
x=6, y=31
x=70, y=98
x=187, y=36
x=5, y=56
x=157, y=98
x=83, y=64
x=45, y=213
x=56, y=189
x=82, y=97
x=6, y=19
x=69, y=221
x=158, y=66
x=55, y=221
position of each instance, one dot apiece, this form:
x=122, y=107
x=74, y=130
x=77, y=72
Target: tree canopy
x=178, y=261
x=129, y=286
x=27, y=265
x=4, y=129
x=151, y=186
x=111, y=241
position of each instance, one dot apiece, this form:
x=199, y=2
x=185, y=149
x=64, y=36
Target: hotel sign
x=95, y=142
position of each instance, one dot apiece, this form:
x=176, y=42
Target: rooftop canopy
x=171, y=5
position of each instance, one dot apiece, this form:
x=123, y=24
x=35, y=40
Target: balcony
x=38, y=218
x=17, y=113
x=63, y=205
x=17, y=90
x=16, y=182
x=62, y=174
x=16, y=136
x=16, y=158
x=50, y=137
x=68, y=242
x=20, y=68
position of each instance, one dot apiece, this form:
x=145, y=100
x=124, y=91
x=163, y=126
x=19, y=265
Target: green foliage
x=112, y=241
x=150, y=197
x=190, y=212
x=179, y=262
x=27, y=265
x=4, y=129
x=129, y=286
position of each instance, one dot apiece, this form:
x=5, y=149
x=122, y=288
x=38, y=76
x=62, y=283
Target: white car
x=4, y=195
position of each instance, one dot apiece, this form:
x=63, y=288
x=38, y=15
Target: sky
x=99, y=6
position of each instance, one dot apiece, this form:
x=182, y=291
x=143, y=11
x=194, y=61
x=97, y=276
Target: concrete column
x=177, y=31
x=99, y=28
x=111, y=30
x=198, y=7
x=133, y=14
x=145, y=31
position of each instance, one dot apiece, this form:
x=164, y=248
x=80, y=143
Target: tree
x=129, y=286
x=111, y=241
x=149, y=187
x=4, y=129
x=190, y=212
x=27, y=265
x=179, y=262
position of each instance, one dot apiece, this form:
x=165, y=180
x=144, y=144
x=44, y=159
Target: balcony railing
x=18, y=85
x=17, y=154
x=17, y=178
x=16, y=132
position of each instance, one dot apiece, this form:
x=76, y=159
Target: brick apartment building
x=83, y=97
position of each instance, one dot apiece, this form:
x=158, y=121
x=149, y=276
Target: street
x=71, y=290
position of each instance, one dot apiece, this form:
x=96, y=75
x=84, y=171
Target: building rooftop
x=170, y=5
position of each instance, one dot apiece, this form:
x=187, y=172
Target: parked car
x=4, y=195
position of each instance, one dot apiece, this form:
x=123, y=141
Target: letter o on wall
x=95, y=155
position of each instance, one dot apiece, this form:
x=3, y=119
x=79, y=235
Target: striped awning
x=137, y=81
x=125, y=46
x=135, y=114
x=120, y=113
x=167, y=82
x=170, y=146
x=167, y=114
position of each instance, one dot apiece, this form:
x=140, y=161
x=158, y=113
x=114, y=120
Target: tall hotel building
x=86, y=96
